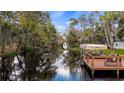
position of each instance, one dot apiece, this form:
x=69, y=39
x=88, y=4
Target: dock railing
x=114, y=62
x=90, y=59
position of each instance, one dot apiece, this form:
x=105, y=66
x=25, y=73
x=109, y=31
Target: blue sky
x=61, y=18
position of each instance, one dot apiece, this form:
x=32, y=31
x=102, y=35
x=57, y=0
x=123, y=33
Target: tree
x=6, y=21
x=34, y=34
x=109, y=22
x=73, y=22
x=120, y=33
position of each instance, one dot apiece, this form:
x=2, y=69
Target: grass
x=116, y=51
x=107, y=52
x=11, y=54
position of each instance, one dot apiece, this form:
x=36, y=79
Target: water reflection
x=72, y=72
x=58, y=70
x=16, y=72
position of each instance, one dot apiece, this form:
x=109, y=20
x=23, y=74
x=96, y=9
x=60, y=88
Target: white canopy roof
x=93, y=46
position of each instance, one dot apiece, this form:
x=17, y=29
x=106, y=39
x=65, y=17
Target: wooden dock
x=98, y=63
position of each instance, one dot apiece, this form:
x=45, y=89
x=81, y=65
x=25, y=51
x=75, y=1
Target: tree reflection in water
x=48, y=67
x=72, y=72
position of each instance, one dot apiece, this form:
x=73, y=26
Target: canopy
x=93, y=46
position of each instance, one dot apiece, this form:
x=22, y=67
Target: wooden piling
x=117, y=72
x=93, y=74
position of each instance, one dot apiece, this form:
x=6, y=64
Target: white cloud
x=68, y=22
x=60, y=27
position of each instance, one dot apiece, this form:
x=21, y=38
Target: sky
x=61, y=18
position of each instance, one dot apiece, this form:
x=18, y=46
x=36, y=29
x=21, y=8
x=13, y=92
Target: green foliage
x=120, y=33
x=27, y=49
x=31, y=28
x=12, y=54
x=72, y=38
x=31, y=33
x=75, y=54
x=106, y=52
x=73, y=22
x=116, y=51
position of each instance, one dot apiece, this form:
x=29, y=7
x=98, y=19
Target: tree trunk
x=106, y=35
x=3, y=41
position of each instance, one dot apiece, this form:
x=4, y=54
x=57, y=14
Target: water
x=74, y=72
x=62, y=71
x=16, y=71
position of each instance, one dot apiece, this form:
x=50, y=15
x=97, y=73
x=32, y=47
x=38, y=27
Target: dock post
x=92, y=66
x=117, y=74
x=92, y=74
x=118, y=64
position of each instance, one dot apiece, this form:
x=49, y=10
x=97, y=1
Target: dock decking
x=99, y=64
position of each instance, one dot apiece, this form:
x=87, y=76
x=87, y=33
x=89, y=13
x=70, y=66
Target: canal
x=72, y=72
x=57, y=70
x=78, y=72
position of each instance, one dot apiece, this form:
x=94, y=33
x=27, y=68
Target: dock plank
x=98, y=64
